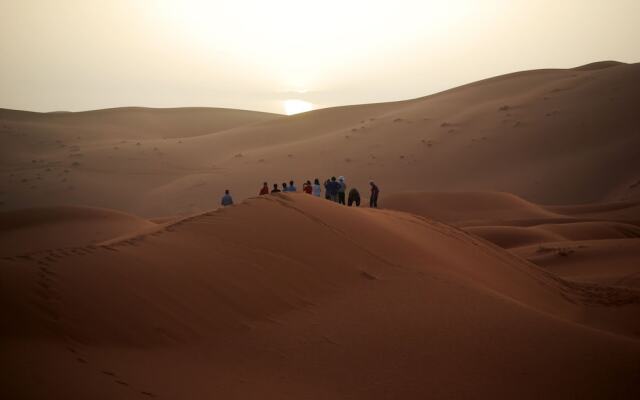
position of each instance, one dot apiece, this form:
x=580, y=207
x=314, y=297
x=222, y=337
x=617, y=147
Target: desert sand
x=228, y=304
x=505, y=262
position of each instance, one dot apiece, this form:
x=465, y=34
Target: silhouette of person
x=265, y=189
x=227, y=200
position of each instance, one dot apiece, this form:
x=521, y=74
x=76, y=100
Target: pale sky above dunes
x=252, y=54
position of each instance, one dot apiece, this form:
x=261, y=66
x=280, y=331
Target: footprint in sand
x=368, y=276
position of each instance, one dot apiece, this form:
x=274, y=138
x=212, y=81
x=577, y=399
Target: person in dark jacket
x=275, y=188
x=265, y=189
x=375, y=191
x=333, y=187
x=327, y=195
x=354, y=197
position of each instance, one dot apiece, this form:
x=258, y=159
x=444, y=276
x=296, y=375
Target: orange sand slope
x=30, y=230
x=293, y=297
x=551, y=136
x=597, y=243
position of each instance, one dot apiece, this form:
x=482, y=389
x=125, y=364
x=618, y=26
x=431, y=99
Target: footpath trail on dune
x=291, y=297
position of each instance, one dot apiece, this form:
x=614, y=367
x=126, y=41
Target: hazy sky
x=254, y=54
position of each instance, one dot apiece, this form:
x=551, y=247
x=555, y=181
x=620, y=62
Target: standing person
x=284, y=187
x=333, y=188
x=354, y=197
x=375, y=191
x=275, y=188
x=342, y=190
x=292, y=187
x=317, y=190
x=227, y=200
x=327, y=195
x=264, y=190
x=307, y=187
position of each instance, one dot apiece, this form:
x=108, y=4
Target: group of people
x=335, y=189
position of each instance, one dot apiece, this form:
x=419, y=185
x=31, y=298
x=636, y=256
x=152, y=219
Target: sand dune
x=131, y=122
x=294, y=297
x=550, y=136
x=609, y=262
x=468, y=208
x=32, y=230
x=629, y=210
x=515, y=236
x=598, y=243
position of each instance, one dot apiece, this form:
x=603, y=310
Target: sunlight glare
x=296, y=106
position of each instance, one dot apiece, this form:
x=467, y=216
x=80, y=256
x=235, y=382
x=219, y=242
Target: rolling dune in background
x=550, y=136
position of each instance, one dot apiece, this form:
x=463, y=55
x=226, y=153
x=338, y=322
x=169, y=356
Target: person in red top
x=265, y=189
x=307, y=187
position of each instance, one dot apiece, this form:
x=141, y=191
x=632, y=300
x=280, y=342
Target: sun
x=295, y=106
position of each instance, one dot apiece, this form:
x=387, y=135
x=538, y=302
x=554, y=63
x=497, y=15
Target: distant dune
x=550, y=136
x=337, y=303
x=468, y=208
x=30, y=230
x=597, y=243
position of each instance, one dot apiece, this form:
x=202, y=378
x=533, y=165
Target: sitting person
x=227, y=200
x=275, y=188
